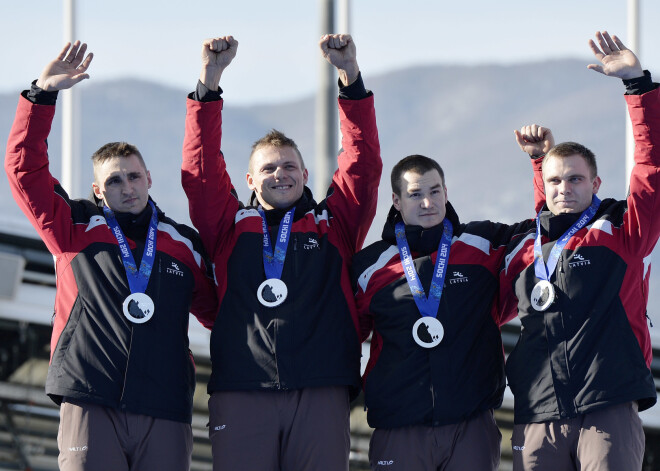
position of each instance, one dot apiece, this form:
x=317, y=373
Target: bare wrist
x=349, y=75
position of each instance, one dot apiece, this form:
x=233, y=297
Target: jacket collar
x=420, y=240
x=273, y=216
x=134, y=226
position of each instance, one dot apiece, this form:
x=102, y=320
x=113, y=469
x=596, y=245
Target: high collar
x=273, y=216
x=554, y=225
x=420, y=240
x=134, y=226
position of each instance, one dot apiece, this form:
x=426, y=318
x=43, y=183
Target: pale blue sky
x=278, y=57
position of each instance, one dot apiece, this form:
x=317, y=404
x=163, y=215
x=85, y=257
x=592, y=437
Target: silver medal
x=272, y=292
x=543, y=295
x=428, y=332
x=138, y=308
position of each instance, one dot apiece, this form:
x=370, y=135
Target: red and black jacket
x=311, y=339
x=406, y=384
x=97, y=355
x=591, y=348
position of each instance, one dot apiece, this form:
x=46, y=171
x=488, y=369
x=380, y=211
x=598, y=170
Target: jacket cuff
x=39, y=96
x=354, y=91
x=640, y=85
x=202, y=93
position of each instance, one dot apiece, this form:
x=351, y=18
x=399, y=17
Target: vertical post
x=70, y=116
x=344, y=16
x=326, y=111
x=633, y=44
x=344, y=27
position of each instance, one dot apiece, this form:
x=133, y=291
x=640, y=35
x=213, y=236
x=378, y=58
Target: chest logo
x=312, y=243
x=579, y=261
x=458, y=278
x=174, y=269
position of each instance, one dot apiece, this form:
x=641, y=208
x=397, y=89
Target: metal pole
x=344, y=22
x=326, y=111
x=70, y=116
x=344, y=16
x=633, y=44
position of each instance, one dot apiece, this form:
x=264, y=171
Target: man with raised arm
x=426, y=292
x=580, y=371
x=285, y=350
x=120, y=365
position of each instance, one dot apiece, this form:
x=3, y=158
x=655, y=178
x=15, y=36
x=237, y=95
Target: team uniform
x=99, y=359
x=432, y=407
x=297, y=354
x=584, y=362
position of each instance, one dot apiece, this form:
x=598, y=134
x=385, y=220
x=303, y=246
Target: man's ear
x=250, y=181
x=97, y=191
x=396, y=201
x=596, y=185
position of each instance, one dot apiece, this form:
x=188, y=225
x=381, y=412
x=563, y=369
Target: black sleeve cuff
x=640, y=85
x=354, y=91
x=40, y=97
x=202, y=93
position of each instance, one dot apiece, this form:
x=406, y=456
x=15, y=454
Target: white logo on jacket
x=458, y=278
x=174, y=270
x=311, y=244
x=579, y=261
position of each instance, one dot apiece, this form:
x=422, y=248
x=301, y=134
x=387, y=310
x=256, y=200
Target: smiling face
x=122, y=183
x=423, y=198
x=277, y=176
x=569, y=184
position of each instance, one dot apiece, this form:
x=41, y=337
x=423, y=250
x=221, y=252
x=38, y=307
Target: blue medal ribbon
x=274, y=259
x=543, y=271
x=137, y=279
x=428, y=306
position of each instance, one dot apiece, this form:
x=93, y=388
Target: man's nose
x=126, y=187
x=426, y=203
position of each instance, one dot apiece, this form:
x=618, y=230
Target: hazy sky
x=278, y=57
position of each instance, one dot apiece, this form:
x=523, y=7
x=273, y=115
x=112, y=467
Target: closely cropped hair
x=413, y=163
x=116, y=149
x=276, y=139
x=566, y=149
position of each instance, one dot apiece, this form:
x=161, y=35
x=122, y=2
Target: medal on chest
x=273, y=291
x=137, y=307
x=427, y=332
x=544, y=293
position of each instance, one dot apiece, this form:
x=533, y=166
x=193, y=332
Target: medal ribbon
x=428, y=306
x=137, y=279
x=274, y=260
x=544, y=272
